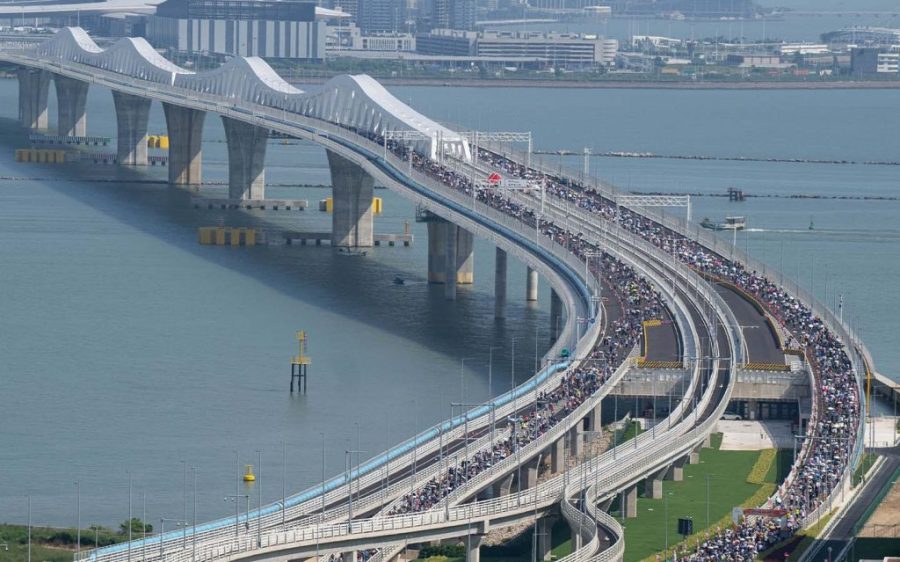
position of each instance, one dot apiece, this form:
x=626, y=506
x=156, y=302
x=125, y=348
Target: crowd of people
x=835, y=420
x=836, y=416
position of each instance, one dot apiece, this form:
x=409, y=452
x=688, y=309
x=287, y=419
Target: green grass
x=49, y=544
x=728, y=487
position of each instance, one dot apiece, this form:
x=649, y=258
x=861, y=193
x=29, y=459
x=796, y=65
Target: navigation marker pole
x=300, y=364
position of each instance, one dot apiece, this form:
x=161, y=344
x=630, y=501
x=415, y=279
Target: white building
x=888, y=63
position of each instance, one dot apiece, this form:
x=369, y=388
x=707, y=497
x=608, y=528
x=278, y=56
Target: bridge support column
x=545, y=537
x=71, y=98
x=246, y=159
x=465, y=256
x=500, y=284
x=555, y=315
x=34, y=86
x=531, y=285
x=450, y=262
x=473, y=548
x=576, y=440
x=694, y=456
x=132, y=113
x=576, y=539
x=437, y=250
x=630, y=504
x=502, y=487
x=531, y=476
x=348, y=556
x=595, y=422
x=185, y=128
x=557, y=456
x=352, y=190
x=675, y=472
x=653, y=487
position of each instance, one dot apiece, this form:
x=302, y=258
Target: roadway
x=838, y=535
x=663, y=342
x=763, y=346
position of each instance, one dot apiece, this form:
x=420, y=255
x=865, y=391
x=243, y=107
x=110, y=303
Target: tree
x=137, y=527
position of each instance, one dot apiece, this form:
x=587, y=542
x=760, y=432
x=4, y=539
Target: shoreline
x=626, y=84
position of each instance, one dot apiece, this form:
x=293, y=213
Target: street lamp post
x=162, y=531
x=77, y=519
x=258, y=498
x=348, y=459
x=29, y=528
x=194, y=517
x=237, y=510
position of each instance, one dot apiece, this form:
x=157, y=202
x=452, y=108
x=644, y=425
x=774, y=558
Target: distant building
x=863, y=36
x=453, y=14
x=446, y=42
x=755, y=61
x=888, y=63
x=264, y=28
x=804, y=49
x=871, y=61
x=562, y=50
x=378, y=16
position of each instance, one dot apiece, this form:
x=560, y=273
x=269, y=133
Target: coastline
x=640, y=85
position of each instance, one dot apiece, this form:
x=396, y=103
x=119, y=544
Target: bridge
x=614, y=268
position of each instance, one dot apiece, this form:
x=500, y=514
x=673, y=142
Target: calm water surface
x=127, y=347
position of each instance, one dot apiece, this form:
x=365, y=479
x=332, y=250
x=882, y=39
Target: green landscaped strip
x=728, y=472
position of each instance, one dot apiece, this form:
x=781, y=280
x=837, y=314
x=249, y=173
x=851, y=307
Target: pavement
x=663, y=343
x=755, y=435
x=842, y=528
x=762, y=345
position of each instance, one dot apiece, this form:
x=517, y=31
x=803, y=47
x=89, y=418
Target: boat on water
x=351, y=252
x=730, y=223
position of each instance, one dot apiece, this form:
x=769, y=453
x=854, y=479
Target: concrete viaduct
x=360, y=125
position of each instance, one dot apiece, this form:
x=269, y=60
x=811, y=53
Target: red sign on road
x=494, y=178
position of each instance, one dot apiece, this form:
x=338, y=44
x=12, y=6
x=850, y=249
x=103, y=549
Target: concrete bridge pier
x=465, y=256
x=530, y=475
x=348, y=556
x=132, y=113
x=545, y=537
x=352, y=192
x=675, y=472
x=451, y=259
x=595, y=418
x=246, y=159
x=503, y=486
x=531, y=285
x=34, y=86
x=500, y=284
x=555, y=315
x=557, y=456
x=576, y=437
x=437, y=250
x=450, y=256
x=653, y=485
x=185, y=128
x=71, y=98
x=630, y=502
x=473, y=548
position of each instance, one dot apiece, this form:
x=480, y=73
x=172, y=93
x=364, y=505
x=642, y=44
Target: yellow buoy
x=248, y=475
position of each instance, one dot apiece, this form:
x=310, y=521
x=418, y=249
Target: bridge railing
x=857, y=352
x=273, y=513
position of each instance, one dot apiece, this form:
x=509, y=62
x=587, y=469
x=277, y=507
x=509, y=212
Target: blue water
x=126, y=346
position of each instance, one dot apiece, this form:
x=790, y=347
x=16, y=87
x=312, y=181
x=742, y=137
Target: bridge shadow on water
x=358, y=288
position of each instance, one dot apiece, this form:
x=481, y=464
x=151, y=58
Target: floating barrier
x=228, y=236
